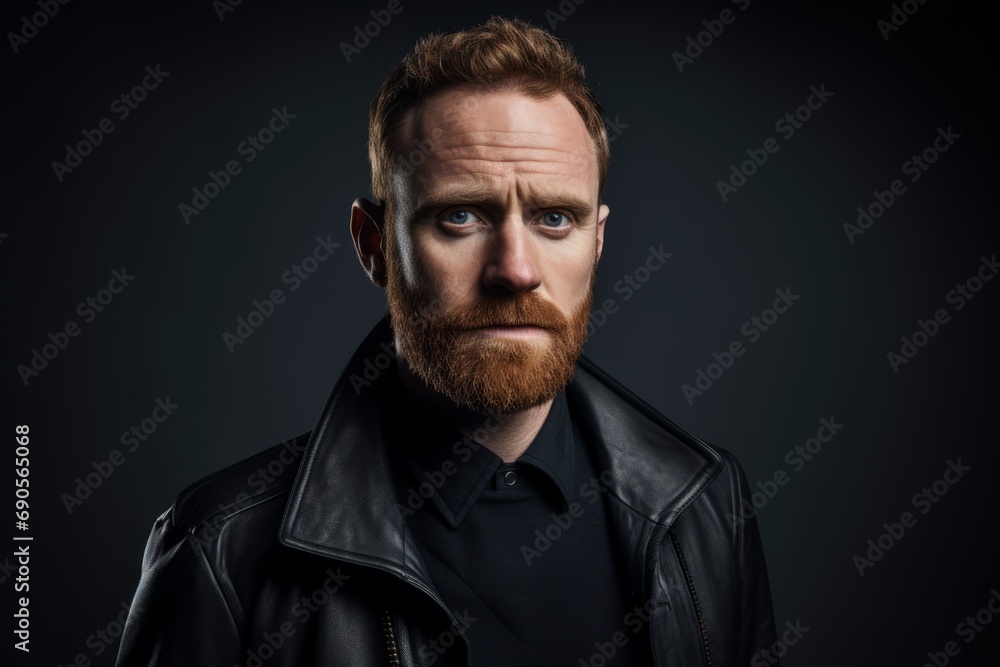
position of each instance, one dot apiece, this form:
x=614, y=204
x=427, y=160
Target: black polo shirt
x=524, y=548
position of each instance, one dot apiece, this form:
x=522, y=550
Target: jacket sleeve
x=179, y=616
x=755, y=632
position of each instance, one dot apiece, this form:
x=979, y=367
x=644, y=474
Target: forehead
x=466, y=136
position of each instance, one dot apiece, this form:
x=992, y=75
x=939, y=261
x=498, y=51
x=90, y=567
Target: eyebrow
x=580, y=208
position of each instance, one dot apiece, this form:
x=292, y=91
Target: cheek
x=570, y=284
x=445, y=271
x=571, y=268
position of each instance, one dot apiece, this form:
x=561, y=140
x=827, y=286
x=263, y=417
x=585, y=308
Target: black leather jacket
x=300, y=556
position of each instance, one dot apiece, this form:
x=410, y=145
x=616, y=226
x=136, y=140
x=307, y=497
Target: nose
x=511, y=261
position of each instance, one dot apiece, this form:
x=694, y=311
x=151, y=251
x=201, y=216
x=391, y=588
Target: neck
x=507, y=435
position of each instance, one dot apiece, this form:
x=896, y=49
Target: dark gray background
x=826, y=357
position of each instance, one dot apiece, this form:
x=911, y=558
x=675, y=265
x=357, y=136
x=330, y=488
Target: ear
x=602, y=215
x=366, y=230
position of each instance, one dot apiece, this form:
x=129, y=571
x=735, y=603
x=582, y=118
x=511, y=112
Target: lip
x=511, y=331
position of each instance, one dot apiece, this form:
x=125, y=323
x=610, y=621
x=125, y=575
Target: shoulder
x=715, y=471
x=254, y=485
x=731, y=480
x=623, y=415
x=726, y=503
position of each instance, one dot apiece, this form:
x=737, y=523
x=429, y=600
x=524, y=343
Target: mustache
x=527, y=309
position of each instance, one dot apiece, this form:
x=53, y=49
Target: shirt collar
x=452, y=470
x=554, y=451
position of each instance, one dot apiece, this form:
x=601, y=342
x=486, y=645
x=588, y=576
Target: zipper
x=387, y=629
x=694, y=598
x=390, y=639
x=433, y=596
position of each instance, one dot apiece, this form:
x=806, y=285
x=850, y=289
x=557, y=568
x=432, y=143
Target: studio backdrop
x=800, y=266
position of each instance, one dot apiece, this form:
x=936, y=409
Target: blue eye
x=458, y=217
x=554, y=219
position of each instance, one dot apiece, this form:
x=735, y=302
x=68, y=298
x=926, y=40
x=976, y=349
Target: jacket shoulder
x=239, y=487
x=614, y=391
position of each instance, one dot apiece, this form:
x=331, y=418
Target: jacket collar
x=342, y=503
x=421, y=442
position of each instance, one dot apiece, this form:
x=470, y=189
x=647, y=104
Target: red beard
x=489, y=375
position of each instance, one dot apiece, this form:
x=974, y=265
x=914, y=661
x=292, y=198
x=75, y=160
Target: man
x=475, y=491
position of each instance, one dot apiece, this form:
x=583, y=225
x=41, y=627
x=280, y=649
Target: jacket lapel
x=657, y=469
x=342, y=504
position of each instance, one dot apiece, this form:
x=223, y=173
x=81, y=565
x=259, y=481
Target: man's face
x=496, y=236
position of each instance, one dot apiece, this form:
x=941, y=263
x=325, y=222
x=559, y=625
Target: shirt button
x=510, y=477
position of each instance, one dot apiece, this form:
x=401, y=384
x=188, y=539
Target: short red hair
x=502, y=54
